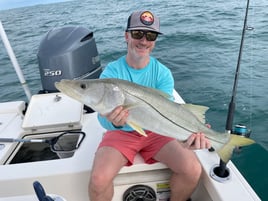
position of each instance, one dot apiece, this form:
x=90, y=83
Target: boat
x=31, y=127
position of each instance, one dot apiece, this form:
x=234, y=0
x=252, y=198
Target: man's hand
x=118, y=116
x=197, y=141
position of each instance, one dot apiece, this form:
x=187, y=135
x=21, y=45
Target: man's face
x=139, y=47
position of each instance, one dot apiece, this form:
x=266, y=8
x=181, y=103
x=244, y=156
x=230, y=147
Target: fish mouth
x=59, y=86
x=63, y=87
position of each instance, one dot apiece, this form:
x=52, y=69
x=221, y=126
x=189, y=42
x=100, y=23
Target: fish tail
x=226, y=151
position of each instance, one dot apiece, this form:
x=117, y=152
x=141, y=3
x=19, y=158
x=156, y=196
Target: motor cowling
x=67, y=53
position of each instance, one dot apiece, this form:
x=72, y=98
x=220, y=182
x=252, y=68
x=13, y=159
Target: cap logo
x=147, y=18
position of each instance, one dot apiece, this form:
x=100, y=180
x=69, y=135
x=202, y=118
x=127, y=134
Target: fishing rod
x=231, y=109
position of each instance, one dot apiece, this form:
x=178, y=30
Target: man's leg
x=107, y=163
x=185, y=166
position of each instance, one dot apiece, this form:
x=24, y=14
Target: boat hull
x=68, y=177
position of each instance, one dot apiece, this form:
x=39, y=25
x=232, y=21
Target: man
x=120, y=144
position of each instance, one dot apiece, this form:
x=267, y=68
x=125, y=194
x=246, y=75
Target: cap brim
x=143, y=28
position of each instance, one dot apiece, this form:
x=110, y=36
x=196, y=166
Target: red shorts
x=131, y=143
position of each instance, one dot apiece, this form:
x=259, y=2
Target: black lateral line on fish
x=160, y=112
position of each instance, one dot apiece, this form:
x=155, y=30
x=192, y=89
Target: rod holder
x=217, y=174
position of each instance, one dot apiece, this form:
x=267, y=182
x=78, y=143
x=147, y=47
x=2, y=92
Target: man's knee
x=194, y=165
x=197, y=169
x=190, y=166
x=97, y=181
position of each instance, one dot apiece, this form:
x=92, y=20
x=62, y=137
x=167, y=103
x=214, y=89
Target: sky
x=9, y=4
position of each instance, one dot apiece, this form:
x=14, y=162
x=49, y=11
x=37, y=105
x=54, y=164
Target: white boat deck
x=68, y=177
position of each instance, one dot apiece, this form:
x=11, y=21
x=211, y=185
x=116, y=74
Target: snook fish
x=150, y=109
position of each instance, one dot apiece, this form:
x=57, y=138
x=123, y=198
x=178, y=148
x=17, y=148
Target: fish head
x=101, y=96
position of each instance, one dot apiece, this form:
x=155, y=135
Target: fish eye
x=83, y=86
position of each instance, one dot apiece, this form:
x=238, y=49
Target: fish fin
x=198, y=110
x=137, y=128
x=226, y=151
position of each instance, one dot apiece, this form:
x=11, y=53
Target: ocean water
x=200, y=45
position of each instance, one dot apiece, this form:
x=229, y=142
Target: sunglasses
x=149, y=35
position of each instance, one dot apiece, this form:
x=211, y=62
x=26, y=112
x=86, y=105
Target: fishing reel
x=241, y=129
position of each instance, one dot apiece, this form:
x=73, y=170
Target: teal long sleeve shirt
x=155, y=75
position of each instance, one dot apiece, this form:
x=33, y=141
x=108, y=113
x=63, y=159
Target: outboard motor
x=67, y=53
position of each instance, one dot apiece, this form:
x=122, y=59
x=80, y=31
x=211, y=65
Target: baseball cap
x=143, y=20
